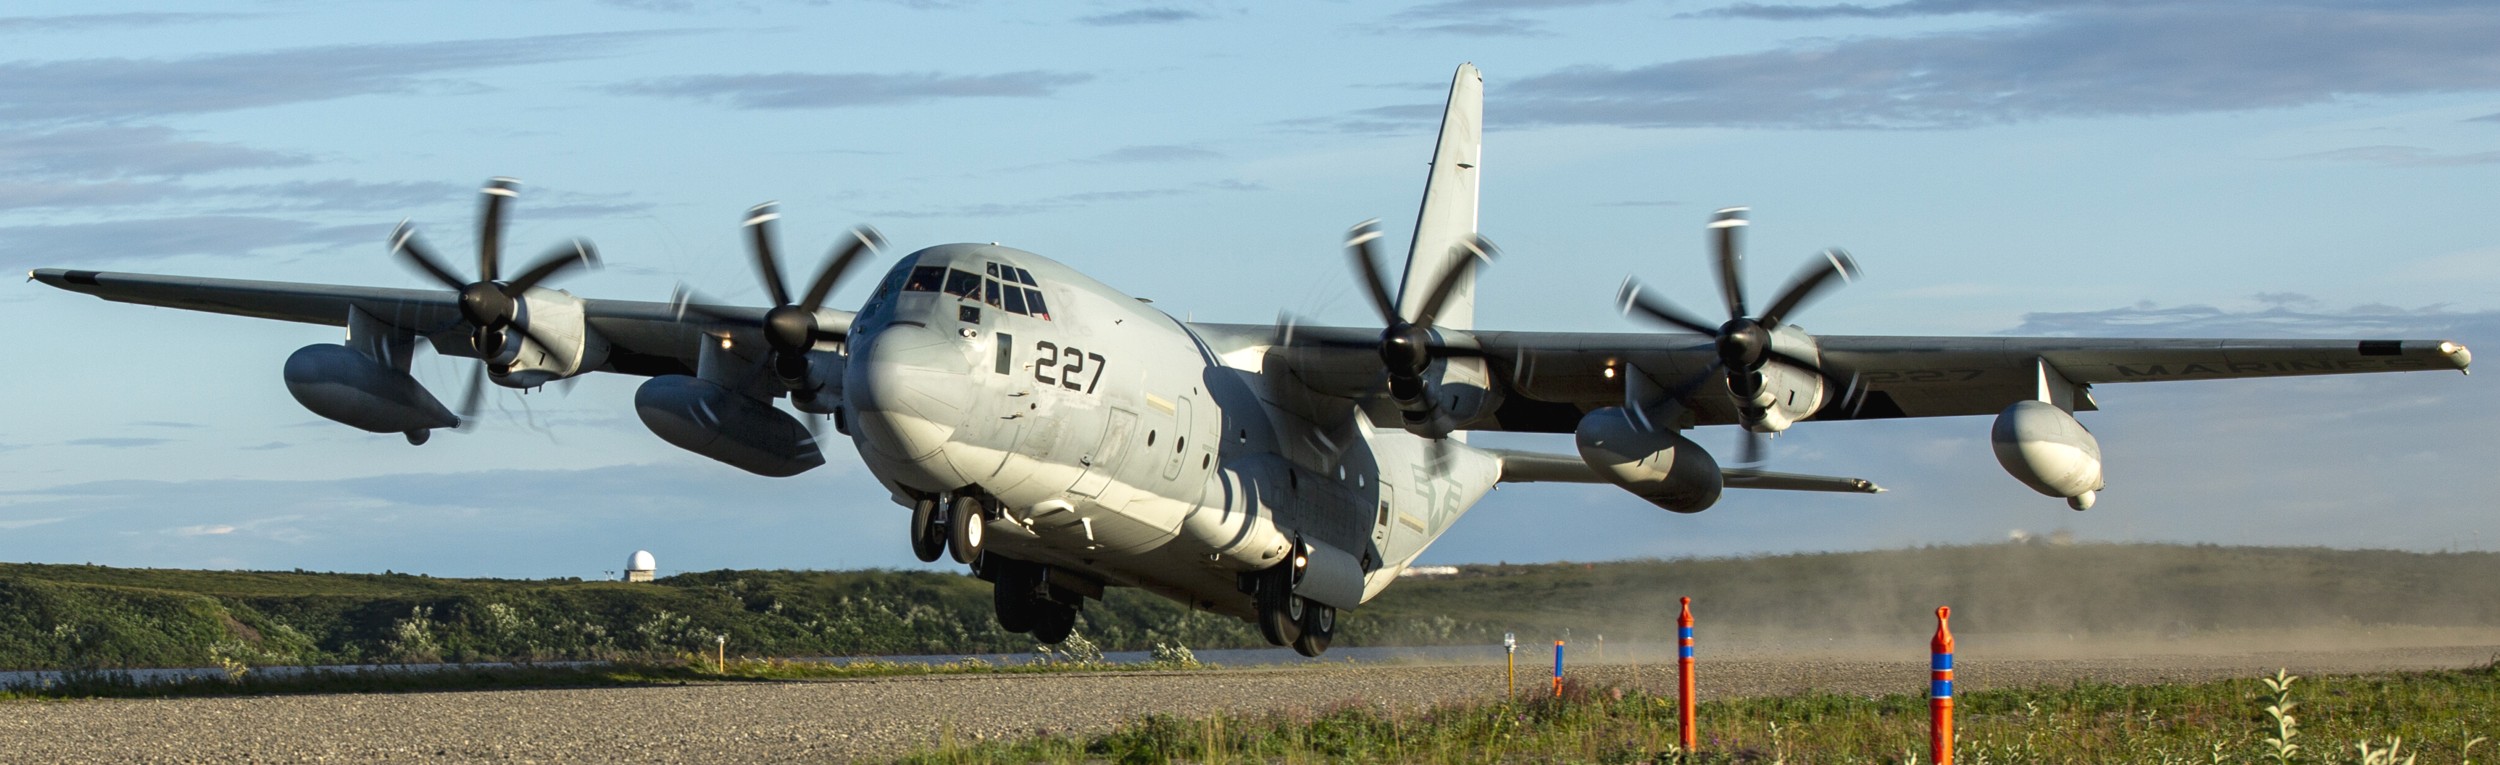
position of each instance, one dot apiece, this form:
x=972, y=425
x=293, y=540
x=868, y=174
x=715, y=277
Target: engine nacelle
x=713, y=421
x=348, y=387
x=1656, y=465
x=2046, y=449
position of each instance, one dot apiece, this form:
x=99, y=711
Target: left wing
x=643, y=338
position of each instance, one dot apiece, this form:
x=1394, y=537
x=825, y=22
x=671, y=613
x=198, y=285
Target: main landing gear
x=1026, y=598
x=1028, y=602
x=1289, y=619
x=935, y=528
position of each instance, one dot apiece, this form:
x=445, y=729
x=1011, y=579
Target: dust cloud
x=2036, y=597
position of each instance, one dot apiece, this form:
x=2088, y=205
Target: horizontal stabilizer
x=1533, y=467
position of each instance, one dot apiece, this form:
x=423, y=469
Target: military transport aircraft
x=1060, y=437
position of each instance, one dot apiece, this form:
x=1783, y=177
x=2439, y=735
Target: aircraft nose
x=909, y=391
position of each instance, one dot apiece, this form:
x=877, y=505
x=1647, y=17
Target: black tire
x=1053, y=623
x=1013, y=596
x=1280, y=617
x=1319, y=626
x=927, y=542
x=966, y=527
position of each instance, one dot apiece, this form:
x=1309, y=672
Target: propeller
x=491, y=304
x=1743, y=342
x=790, y=328
x=1406, y=345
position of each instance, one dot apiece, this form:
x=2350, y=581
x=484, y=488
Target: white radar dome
x=641, y=562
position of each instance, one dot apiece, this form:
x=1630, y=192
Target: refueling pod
x=349, y=387
x=1656, y=465
x=747, y=433
x=2044, y=447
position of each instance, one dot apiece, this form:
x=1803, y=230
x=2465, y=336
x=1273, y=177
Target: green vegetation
x=71, y=617
x=2437, y=717
x=54, y=616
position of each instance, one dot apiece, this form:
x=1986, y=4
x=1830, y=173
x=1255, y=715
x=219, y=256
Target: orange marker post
x=1684, y=673
x=1558, y=669
x=1940, y=692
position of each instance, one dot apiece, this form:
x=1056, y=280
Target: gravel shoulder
x=840, y=721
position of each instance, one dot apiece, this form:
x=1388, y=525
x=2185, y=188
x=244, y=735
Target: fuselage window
x=925, y=279
x=1033, y=304
x=1014, y=299
x=963, y=284
x=991, y=293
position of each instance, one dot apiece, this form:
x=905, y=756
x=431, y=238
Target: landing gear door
x=1106, y=456
x=1383, y=519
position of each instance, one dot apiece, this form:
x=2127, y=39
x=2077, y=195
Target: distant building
x=640, y=567
x=1432, y=571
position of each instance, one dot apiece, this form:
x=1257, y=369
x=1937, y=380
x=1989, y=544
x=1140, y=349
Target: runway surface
x=840, y=721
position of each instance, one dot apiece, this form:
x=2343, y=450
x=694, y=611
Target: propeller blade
x=499, y=192
x=1724, y=226
x=863, y=239
x=411, y=248
x=767, y=266
x=1467, y=254
x=1635, y=299
x=1814, y=279
x=1359, y=245
x=469, y=401
x=576, y=254
x=683, y=302
x=1750, y=450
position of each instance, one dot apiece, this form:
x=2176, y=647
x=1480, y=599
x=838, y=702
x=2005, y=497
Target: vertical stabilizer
x=1449, y=212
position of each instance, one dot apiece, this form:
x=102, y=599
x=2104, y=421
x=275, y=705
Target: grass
x=2424, y=717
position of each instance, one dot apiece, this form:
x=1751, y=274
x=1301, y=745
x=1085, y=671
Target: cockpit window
x=925, y=279
x=1017, y=292
x=963, y=284
x=992, y=293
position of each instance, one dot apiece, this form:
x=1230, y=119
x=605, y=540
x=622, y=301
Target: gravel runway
x=841, y=721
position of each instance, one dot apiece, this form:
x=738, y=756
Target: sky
x=2163, y=168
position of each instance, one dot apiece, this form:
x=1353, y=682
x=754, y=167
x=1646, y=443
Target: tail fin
x=1449, y=212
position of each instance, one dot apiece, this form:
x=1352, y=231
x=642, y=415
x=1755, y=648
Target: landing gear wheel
x=1319, y=624
x=1280, y=617
x=967, y=525
x=927, y=540
x=1053, y=623
x=1015, y=609
x=1018, y=609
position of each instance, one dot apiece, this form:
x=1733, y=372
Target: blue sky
x=2171, y=168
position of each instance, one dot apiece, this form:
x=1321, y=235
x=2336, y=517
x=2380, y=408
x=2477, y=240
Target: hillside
x=91, y=616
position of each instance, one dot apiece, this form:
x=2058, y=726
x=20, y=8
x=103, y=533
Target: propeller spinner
x=490, y=305
x=790, y=328
x=1744, y=341
x=1407, y=349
